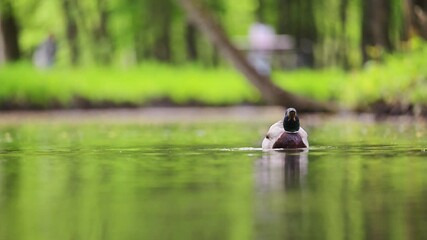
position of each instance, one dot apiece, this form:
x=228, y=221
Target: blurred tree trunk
x=296, y=17
x=162, y=45
x=191, y=41
x=343, y=14
x=268, y=90
x=421, y=17
x=154, y=34
x=407, y=28
x=215, y=57
x=71, y=31
x=102, y=45
x=375, y=28
x=260, y=11
x=414, y=19
x=139, y=46
x=284, y=17
x=2, y=48
x=343, y=53
x=10, y=32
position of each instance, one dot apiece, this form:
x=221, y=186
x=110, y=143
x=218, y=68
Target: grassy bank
x=23, y=85
x=400, y=79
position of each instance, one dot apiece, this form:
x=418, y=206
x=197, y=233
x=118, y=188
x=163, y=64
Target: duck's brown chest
x=289, y=140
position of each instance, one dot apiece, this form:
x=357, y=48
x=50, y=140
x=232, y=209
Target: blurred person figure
x=44, y=56
x=262, y=39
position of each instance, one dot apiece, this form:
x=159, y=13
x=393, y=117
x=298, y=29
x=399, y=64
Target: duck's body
x=286, y=133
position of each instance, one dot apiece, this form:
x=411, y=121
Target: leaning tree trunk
x=268, y=90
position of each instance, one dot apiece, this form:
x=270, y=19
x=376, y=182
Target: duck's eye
x=267, y=136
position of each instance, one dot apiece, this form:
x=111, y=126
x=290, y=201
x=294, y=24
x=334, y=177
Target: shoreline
x=169, y=115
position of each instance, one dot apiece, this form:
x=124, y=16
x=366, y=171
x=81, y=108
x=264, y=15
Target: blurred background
x=198, y=173
x=362, y=54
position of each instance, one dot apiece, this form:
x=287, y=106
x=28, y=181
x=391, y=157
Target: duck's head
x=291, y=120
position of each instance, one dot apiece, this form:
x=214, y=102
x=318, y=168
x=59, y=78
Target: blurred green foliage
x=133, y=31
x=118, y=47
x=401, y=78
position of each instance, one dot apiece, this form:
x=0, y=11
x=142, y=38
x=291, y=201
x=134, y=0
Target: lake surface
x=199, y=174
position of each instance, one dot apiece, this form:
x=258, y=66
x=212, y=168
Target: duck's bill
x=292, y=115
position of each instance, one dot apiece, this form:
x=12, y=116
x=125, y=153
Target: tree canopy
x=342, y=32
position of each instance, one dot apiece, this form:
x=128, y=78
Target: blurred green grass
x=401, y=78
x=23, y=84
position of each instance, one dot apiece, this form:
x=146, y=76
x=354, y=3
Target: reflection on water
x=197, y=181
x=342, y=194
x=279, y=175
x=281, y=170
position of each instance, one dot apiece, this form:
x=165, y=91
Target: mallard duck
x=286, y=133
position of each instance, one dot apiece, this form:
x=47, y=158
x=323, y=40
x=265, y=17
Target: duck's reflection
x=281, y=170
x=279, y=199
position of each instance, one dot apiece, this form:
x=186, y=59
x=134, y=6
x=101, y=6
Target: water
x=108, y=179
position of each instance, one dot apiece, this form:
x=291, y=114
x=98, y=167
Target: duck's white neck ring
x=291, y=131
